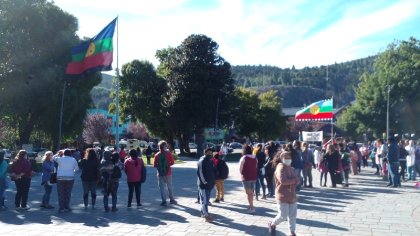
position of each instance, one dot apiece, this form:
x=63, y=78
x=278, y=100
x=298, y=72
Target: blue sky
x=280, y=33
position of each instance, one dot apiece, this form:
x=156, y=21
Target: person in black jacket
x=261, y=172
x=332, y=157
x=90, y=175
x=206, y=179
x=393, y=157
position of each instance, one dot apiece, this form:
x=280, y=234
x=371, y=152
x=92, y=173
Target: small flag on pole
x=321, y=110
x=93, y=55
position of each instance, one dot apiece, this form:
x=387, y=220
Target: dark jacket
x=307, y=159
x=261, y=159
x=393, y=152
x=332, y=160
x=297, y=159
x=206, y=173
x=90, y=170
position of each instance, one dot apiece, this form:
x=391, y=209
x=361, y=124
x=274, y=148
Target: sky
x=281, y=33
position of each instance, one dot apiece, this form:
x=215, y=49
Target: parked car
x=235, y=145
x=192, y=145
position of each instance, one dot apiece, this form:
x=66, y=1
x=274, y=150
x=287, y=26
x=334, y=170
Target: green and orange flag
x=93, y=55
x=321, y=110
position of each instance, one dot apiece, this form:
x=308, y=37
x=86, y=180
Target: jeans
x=258, y=183
x=64, y=188
x=114, y=196
x=89, y=186
x=298, y=185
x=270, y=184
x=286, y=212
x=47, y=194
x=323, y=175
x=393, y=175
x=204, y=200
x=131, y=187
x=162, y=181
x=22, y=190
x=307, y=175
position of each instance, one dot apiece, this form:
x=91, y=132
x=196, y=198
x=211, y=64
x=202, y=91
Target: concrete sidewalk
x=367, y=207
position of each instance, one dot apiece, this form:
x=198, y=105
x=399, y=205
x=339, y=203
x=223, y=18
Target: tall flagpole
x=60, y=123
x=117, y=132
x=332, y=121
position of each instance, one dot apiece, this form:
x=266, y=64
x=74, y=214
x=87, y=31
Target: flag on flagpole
x=93, y=55
x=321, y=110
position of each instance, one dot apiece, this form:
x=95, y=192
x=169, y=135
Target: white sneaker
x=251, y=210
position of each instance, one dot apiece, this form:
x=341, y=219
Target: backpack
x=116, y=172
x=223, y=169
x=143, y=172
x=163, y=164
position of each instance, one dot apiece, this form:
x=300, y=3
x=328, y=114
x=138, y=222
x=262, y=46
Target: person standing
x=297, y=164
x=286, y=181
x=345, y=163
x=224, y=150
x=149, y=153
x=411, y=159
x=90, y=176
x=332, y=157
x=66, y=168
x=206, y=179
x=268, y=168
x=163, y=162
x=261, y=172
x=3, y=179
x=222, y=172
x=307, y=164
x=48, y=168
x=403, y=159
x=393, y=158
x=317, y=156
x=21, y=174
x=133, y=168
x=354, y=159
x=110, y=169
x=248, y=167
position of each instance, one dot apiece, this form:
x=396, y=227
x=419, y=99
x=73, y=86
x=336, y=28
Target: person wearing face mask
x=286, y=181
x=21, y=173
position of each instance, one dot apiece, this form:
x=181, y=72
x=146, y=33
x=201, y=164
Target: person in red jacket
x=133, y=167
x=248, y=167
x=163, y=162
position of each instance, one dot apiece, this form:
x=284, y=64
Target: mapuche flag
x=93, y=55
x=321, y=110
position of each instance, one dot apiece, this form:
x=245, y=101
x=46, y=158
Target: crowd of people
x=275, y=171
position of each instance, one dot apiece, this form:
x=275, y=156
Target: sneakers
x=25, y=208
x=271, y=229
x=251, y=210
x=173, y=201
x=208, y=219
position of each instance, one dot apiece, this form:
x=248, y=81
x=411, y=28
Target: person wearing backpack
x=110, y=169
x=133, y=168
x=163, y=162
x=222, y=172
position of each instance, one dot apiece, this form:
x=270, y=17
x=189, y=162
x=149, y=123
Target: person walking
x=286, y=181
x=307, y=164
x=248, y=167
x=3, y=179
x=163, y=162
x=48, y=168
x=332, y=157
x=22, y=174
x=261, y=172
x=90, y=176
x=133, y=168
x=66, y=169
x=206, y=179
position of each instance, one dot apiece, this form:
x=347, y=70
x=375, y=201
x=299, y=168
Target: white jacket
x=411, y=157
x=67, y=166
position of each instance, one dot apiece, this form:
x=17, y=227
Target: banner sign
x=312, y=136
x=212, y=134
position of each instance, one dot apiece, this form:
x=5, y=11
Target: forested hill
x=303, y=86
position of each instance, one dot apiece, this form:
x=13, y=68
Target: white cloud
x=247, y=32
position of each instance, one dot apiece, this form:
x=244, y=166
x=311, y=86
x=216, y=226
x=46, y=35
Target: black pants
x=131, y=187
x=403, y=165
x=333, y=176
x=22, y=190
x=270, y=184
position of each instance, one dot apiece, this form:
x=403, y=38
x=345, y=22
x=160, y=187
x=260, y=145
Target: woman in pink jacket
x=133, y=167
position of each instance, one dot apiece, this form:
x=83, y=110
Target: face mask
x=287, y=162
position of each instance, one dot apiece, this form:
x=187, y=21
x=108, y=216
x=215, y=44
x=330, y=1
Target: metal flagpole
x=332, y=122
x=60, y=124
x=117, y=132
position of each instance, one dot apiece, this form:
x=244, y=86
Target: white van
x=133, y=144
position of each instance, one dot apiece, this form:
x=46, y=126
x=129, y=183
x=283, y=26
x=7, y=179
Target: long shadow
x=319, y=224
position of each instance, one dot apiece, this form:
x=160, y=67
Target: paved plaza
x=367, y=207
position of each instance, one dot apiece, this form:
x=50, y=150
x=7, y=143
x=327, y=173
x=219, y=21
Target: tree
x=137, y=131
x=397, y=69
x=32, y=68
x=270, y=119
x=96, y=129
x=244, y=111
x=198, y=80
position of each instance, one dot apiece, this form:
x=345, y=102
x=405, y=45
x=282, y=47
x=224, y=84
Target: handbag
x=53, y=178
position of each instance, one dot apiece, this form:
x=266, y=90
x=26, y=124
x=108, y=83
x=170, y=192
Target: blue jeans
x=114, y=196
x=258, y=183
x=162, y=181
x=299, y=185
x=47, y=194
x=393, y=175
x=204, y=200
